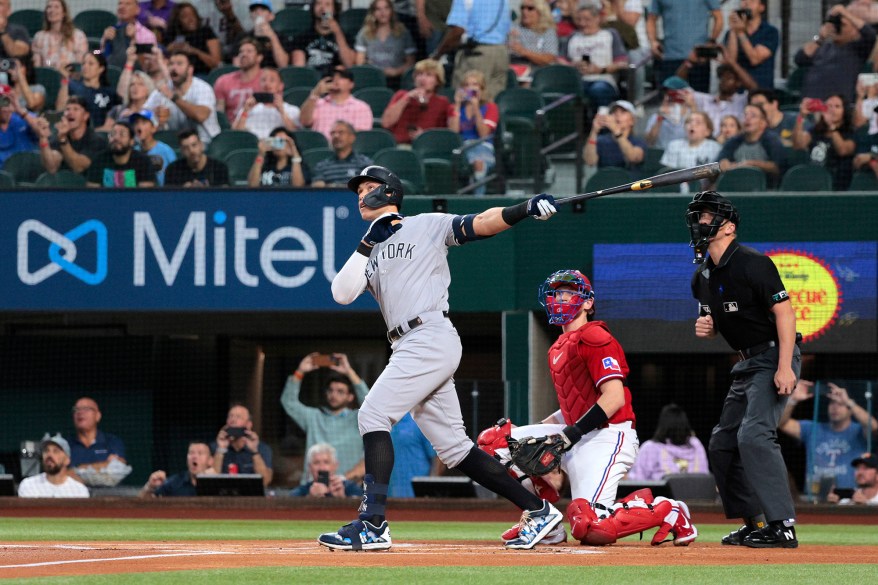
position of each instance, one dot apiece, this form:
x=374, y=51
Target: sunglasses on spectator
x=524, y=7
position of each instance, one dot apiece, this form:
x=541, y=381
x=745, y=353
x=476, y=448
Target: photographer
x=324, y=47
x=266, y=109
x=322, y=465
x=238, y=444
x=752, y=42
x=836, y=55
x=278, y=163
x=16, y=135
x=14, y=39
x=198, y=460
x=728, y=98
x=668, y=124
x=830, y=139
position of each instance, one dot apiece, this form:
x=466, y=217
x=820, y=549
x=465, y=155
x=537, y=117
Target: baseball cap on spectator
x=57, y=440
x=76, y=100
x=867, y=459
x=143, y=115
x=625, y=105
x=5, y=95
x=263, y=3
x=675, y=83
x=344, y=73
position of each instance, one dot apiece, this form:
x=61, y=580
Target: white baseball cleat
x=534, y=526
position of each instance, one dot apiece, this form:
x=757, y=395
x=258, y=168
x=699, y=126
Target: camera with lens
x=835, y=21
x=744, y=13
x=7, y=65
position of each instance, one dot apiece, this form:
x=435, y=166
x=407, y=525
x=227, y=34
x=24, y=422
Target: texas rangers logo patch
x=611, y=363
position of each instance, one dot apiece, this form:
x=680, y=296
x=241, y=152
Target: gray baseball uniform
x=408, y=275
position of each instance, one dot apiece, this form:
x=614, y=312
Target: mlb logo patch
x=610, y=363
x=730, y=307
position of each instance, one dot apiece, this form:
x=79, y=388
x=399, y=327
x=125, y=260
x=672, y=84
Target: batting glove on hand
x=381, y=229
x=541, y=206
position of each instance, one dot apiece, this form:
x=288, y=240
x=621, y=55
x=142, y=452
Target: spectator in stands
x=413, y=456
x=431, y=17
x=155, y=15
x=336, y=423
x=261, y=118
x=128, y=30
x=685, y=25
x=668, y=124
x=29, y=94
x=183, y=101
x=221, y=16
x=756, y=147
x=55, y=481
x=533, y=40
x=238, y=444
x=597, y=53
x=90, y=446
x=616, y=146
x=344, y=164
x=836, y=55
x=153, y=64
x=324, y=47
x=188, y=34
x=866, y=158
x=830, y=447
x=610, y=10
x=697, y=148
x=331, y=100
x=565, y=18
x=15, y=40
x=866, y=479
x=728, y=98
x=322, y=465
x=729, y=127
x=275, y=47
x=385, y=43
x=475, y=119
x=145, y=124
x=139, y=86
x=406, y=13
x=233, y=89
x=412, y=111
x=830, y=141
x=486, y=25
x=121, y=165
x=278, y=163
x=94, y=89
x=74, y=144
x=195, y=168
x=16, y=135
x=59, y=41
x=783, y=123
x=199, y=460
x=674, y=448
x=752, y=42
x=866, y=106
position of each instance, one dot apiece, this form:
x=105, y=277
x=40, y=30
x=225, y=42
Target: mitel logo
x=62, y=252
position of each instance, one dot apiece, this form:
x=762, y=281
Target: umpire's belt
x=749, y=352
x=401, y=330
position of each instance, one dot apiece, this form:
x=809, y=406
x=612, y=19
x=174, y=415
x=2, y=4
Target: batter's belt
x=401, y=330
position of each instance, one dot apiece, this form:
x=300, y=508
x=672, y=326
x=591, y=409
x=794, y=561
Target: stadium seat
x=231, y=140
x=377, y=98
x=297, y=95
x=63, y=178
x=437, y=143
x=239, y=163
x=652, y=160
x=519, y=101
x=742, y=180
x=24, y=167
x=6, y=180
x=405, y=163
x=312, y=156
x=299, y=77
x=367, y=76
x=806, y=178
x=169, y=137
x=368, y=142
x=218, y=72
x=438, y=177
x=351, y=21
x=293, y=21
x=29, y=18
x=553, y=81
x=410, y=188
x=864, y=181
x=308, y=139
x=113, y=75
x=407, y=81
x=606, y=177
x=223, y=121
x=93, y=22
x=796, y=157
x=50, y=78
x=511, y=79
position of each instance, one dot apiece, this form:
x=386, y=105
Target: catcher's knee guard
x=582, y=517
x=633, y=516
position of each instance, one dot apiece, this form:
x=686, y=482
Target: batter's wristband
x=515, y=213
x=364, y=249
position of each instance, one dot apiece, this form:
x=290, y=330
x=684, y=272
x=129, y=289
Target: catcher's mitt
x=537, y=455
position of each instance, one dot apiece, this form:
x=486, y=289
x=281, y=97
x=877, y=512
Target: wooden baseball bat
x=708, y=171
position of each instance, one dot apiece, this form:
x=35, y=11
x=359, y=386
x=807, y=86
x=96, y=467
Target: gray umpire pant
x=744, y=454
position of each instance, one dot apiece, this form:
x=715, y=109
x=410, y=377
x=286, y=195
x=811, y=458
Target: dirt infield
x=23, y=560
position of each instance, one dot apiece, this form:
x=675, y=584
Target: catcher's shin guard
x=632, y=517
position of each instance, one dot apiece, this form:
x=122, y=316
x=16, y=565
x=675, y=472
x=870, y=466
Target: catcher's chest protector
x=573, y=383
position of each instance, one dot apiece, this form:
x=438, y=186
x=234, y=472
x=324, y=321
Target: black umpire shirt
x=739, y=293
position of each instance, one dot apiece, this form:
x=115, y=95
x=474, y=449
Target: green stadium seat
x=230, y=140
x=367, y=76
x=806, y=177
x=652, y=160
x=297, y=95
x=606, y=177
x=368, y=142
x=308, y=139
x=351, y=21
x=438, y=177
x=218, y=72
x=299, y=77
x=50, y=78
x=6, y=180
x=437, y=143
x=63, y=178
x=312, y=156
x=293, y=21
x=556, y=80
x=742, y=180
x=169, y=137
x=24, y=167
x=864, y=181
x=377, y=98
x=239, y=163
x=93, y=22
x=405, y=163
x=29, y=18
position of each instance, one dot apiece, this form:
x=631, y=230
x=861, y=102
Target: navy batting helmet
x=562, y=295
x=389, y=193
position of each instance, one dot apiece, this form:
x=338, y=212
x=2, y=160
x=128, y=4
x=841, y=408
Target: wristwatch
x=296, y=159
x=175, y=97
x=817, y=39
x=62, y=141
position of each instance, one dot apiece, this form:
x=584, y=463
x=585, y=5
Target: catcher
x=591, y=437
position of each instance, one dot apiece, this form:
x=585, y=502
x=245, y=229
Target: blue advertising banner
x=219, y=250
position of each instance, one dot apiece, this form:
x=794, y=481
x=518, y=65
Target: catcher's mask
x=563, y=294
x=701, y=233
x=390, y=191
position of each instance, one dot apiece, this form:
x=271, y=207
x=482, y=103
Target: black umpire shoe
x=736, y=537
x=774, y=535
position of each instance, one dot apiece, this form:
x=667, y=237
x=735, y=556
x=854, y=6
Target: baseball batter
x=402, y=261
x=595, y=426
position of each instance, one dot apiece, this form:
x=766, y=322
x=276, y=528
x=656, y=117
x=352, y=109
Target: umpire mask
x=701, y=233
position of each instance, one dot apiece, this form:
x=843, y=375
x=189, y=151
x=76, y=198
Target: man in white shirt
x=266, y=109
x=54, y=482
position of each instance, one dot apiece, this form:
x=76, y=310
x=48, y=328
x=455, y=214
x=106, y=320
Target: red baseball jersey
x=580, y=361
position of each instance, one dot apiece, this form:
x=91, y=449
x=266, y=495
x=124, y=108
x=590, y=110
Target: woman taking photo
x=830, y=142
x=278, y=163
x=475, y=119
x=94, y=89
x=187, y=33
x=59, y=41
